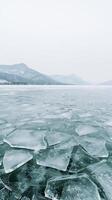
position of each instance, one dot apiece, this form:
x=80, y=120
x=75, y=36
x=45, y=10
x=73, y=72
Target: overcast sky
x=58, y=36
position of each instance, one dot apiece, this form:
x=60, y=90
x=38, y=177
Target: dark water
x=69, y=117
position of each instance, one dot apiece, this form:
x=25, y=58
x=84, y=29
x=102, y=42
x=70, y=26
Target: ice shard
x=14, y=159
x=94, y=144
x=103, y=174
x=4, y=132
x=80, y=159
x=54, y=158
x=71, y=187
x=26, y=139
x=85, y=129
x=56, y=137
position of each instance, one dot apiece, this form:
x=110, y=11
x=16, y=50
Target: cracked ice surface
x=55, y=142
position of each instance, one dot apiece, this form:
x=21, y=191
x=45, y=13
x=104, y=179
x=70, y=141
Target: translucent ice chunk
x=94, y=144
x=80, y=159
x=56, y=137
x=13, y=159
x=66, y=144
x=26, y=139
x=71, y=187
x=103, y=174
x=4, y=132
x=54, y=158
x=85, y=129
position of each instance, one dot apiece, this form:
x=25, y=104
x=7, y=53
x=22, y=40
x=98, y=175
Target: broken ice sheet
x=14, y=158
x=103, y=174
x=85, y=129
x=26, y=139
x=71, y=187
x=80, y=159
x=54, y=158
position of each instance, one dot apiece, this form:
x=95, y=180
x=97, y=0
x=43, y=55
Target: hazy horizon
x=58, y=37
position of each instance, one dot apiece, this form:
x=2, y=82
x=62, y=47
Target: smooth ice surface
x=54, y=158
x=13, y=159
x=85, y=129
x=70, y=188
x=26, y=139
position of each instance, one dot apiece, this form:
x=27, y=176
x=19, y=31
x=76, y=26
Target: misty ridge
x=21, y=74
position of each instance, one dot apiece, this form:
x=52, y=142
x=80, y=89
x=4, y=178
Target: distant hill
x=11, y=79
x=70, y=79
x=106, y=83
x=22, y=74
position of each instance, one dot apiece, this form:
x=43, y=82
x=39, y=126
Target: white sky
x=58, y=36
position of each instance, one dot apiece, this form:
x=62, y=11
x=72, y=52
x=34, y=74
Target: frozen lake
x=24, y=105
x=58, y=132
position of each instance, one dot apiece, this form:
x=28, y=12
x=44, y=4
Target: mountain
x=70, y=79
x=106, y=83
x=11, y=78
x=22, y=74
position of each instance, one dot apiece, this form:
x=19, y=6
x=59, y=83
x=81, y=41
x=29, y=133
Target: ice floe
x=71, y=187
x=85, y=129
x=54, y=158
x=26, y=139
x=103, y=174
x=14, y=158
